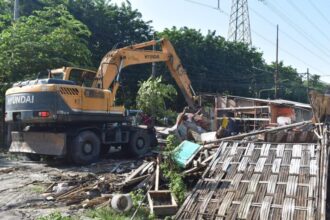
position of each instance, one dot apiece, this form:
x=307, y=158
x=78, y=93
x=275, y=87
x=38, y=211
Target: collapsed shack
x=248, y=114
x=253, y=113
x=251, y=179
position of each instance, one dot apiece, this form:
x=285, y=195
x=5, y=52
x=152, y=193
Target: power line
x=319, y=11
x=289, y=36
x=287, y=52
x=299, y=30
x=204, y=5
x=307, y=19
x=287, y=20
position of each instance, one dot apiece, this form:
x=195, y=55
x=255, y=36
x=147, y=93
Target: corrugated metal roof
x=276, y=101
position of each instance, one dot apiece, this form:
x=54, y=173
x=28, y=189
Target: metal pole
x=16, y=10
x=236, y=21
x=276, y=76
x=307, y=80
x=153, y=67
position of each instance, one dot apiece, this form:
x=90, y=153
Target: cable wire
x=293, y=5
x=319, y=11
x=290, y=37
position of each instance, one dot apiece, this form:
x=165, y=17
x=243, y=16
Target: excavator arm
x=114, y=61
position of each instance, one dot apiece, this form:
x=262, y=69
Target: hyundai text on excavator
x=72, y=111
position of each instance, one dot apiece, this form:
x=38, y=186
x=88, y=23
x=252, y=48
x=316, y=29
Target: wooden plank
x=157, y=175
x=244, y=208
x=243, y=108
x=260, y=165
x=280, y=150
x=265, y=207
x=233, y=150
x=236, y=181
x=254, y=183
x=288, y=209
x=294, y=166
x=296, y=150
x=264, y=150
x=291, y=187
x=271, y=186
x=248, y=119
x=313, y=169
x=225, y=204
x=276, y=165
x=136, y=171
x=249, y=149
x=243, y=164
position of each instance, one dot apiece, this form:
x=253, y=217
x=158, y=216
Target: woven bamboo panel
x=248, y=180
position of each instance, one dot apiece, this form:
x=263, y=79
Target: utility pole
x=153, y=67
x=16, y=10
x=239, y=23
x=307, y=80
x=276, y=75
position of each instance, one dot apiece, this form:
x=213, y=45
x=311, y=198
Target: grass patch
x=107, y=213
x=37, y=188
x=55, y=216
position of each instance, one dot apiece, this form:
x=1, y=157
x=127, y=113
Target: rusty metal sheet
x=39, y=143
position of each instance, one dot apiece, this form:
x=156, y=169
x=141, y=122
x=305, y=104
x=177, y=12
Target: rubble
x=233, y=173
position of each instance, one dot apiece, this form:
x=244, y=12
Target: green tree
x=111, y=25
x=213, y=64
x=114, y=26
x=152, y=97
x=5, y=14
x=47, y=39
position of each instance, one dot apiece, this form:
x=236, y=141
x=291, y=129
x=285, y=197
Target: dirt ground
x=23, y=183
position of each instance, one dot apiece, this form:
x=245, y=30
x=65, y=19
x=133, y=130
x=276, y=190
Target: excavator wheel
x=85, y=148
x=139, y=143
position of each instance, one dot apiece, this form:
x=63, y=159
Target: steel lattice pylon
x=239, y=24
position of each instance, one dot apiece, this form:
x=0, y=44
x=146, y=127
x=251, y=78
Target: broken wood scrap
x=50, y=187
x=157, y=175
x=74, y=200
x=76, y=191
x=147, y=167
x=94, y=202
x=136, y=171
x=146, y=183
x=201, y=165
x=8, y=169
x=135, y=180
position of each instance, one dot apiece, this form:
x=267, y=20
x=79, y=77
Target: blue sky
x=304, y=37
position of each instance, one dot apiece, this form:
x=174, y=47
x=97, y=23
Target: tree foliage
x=152, y=96
x=215, y=65
x=110, y=25
x=47, y=39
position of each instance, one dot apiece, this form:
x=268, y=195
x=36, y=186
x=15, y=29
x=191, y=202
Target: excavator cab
x=81, y=77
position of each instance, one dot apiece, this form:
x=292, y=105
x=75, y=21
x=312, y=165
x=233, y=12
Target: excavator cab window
x=82, y=77
x=58, y=75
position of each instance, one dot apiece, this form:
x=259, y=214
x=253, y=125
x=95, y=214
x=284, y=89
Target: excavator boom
x=114, y=61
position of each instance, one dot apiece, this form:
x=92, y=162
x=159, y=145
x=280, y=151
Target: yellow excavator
x=71, y=112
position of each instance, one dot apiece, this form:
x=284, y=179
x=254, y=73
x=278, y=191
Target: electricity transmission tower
x=239, y=24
